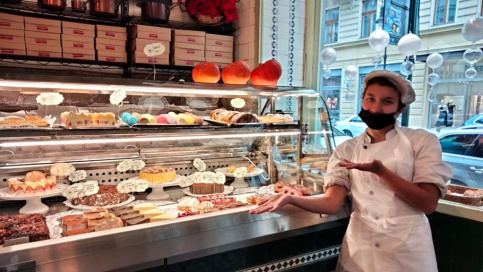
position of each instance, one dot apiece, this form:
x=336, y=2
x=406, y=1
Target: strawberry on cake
x=34, y=181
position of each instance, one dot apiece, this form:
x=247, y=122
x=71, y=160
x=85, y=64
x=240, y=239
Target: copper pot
x=105, y=8
x=58, y=5
x=154, y=12
x=79, y=6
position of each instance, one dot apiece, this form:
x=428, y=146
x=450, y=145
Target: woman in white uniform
x=395, y=176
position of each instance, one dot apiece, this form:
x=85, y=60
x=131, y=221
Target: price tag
x=154, y=49
x=240, y=172
x=188, y=180
x=48, y=99
x=124, y=165
x=77, y=175
x=207, y=177
x=132, y=185
x=137, y=165
x=199, y=164
x=237, y=103
x=91, y=187
x=61, y=170
x=117, y=97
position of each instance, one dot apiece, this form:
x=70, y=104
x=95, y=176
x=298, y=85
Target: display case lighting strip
x=149, y=139
x=132, y=89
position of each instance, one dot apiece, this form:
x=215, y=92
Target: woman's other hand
x=272, y=203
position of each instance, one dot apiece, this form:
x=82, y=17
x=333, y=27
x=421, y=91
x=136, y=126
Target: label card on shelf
x=154, y=49
x=61, y=170
x=237, y=103
x=130, y=165
x=199, y=164
x=117, y=97
x=81, y=189
x=77, y=175
x=240, y=172
x=132, y=185
x=48, y=99
x=206, y=177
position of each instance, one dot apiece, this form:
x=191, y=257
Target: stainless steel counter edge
x=176, y=240
x=460, y=210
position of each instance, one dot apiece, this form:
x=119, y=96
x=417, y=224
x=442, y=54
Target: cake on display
x=34, y=181
x=84, y=120
x=107, y=195
x=232, y=168
x=157, y=174
x=32, y=226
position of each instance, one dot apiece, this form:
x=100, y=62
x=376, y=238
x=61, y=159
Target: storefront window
x=369, y=8
x=444, y=11
x=330, y=91
x=331, y=25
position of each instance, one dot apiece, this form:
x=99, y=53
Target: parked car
x=475, y=120
x=463, y=150
x=352, y=126
x=339, y=136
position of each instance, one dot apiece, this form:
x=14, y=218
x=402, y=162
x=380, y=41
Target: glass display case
x=252, y=136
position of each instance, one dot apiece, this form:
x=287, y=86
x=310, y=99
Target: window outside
x=331, y=25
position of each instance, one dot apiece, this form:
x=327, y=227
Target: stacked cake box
x=188, y=47
x=141, y=35
x=111, y=43
x=219, y=49
x=12, y=39
x=42, y=37
x=78, y=41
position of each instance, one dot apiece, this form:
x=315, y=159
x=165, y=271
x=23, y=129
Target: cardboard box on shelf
x=189, y=52
x=190, y=39
x=178, y=45
x=11, y=25
x=150, y=32
x=81, y=56
x=10, y=45
x=220, y=65
x=11, y=18
x=192, y=63
x=219, y=40
x=219, y=48
x=12, y=35
x=44, y=48
x=78, y=51
x=77, y=42
x=111, y=56
x=139, y=57
x=180, y=32
x=139, y=44
x=218, y=54
x=89, y=27
x=78, y=29
x=110, y=47
x=219, y=60
x=42, y=25
x=110, y=41
x=45, y=54
x=9, y=51
x=42, y=38
x=187, y=57
x=111, y=32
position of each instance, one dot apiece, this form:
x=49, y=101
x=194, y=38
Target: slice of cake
x=157, y=174
x=107, y=195
x=103, y=119
x=206, y=188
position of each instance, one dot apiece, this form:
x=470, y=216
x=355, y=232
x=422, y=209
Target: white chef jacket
x=385, y=233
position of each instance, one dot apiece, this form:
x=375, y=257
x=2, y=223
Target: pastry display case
x=105, y=174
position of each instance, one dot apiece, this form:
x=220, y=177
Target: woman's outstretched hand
x=375, y=166
x=271, y=204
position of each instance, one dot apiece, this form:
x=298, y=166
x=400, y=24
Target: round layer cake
x=34, y=181
x=157, y=174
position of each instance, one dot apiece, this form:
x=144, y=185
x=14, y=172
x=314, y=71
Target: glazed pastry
x=214, y=114
x=244, y=117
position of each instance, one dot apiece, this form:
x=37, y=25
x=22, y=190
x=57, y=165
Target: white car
x=352, y=126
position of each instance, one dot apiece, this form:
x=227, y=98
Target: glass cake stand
x=158, y=192
x=34, y=200
x=240, y=182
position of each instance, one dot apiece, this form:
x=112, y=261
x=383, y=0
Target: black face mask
x=377, y=121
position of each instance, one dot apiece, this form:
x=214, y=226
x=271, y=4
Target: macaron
x=147, y=118
x=129, y=118
x=135, y=114
x=171, y=119
x=161, y=119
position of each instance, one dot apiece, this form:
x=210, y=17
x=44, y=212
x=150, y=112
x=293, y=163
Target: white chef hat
x=403, y=86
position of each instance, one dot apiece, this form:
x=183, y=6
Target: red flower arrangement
x=212, y=8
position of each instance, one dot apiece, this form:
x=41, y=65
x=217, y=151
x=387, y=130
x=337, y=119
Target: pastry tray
x=209, y=120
